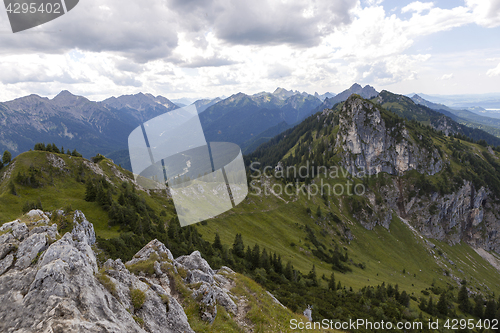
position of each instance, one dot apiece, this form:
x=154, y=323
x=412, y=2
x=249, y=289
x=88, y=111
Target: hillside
x=441, y=121
x=464, y=117
x=432, y=198
x=66, y=287
x=442, y=192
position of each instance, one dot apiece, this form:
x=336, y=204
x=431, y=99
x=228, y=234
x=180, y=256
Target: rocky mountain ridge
x=53, y=283
x=370, y=145
x=367, y=144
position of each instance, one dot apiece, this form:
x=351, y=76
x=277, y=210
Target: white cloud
x=193, y=47
x=417, y=7
x=494, y=71
x=447, y=76
x=486, y=12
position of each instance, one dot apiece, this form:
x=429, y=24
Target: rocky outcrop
x=370, y=146
x=370, y=143
x=469, y=214
x=50, y=283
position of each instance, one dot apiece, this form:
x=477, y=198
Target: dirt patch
x=489, y=258
x=240, y=318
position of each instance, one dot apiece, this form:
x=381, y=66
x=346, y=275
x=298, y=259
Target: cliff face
x=366, y=143
x=369, y=145
x=50, y=283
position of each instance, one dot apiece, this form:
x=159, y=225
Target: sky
x=210, y=48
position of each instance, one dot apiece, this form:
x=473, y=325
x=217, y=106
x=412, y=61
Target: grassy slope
x=61, y=190
x=274, y=225
x=262, y=312
x=386, y=253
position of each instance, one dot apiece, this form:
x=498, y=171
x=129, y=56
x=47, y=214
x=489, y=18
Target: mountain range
x=247, y=120
x=419, y=224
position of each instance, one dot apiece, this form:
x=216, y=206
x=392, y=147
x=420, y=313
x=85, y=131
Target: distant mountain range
x=247, y=120
x=365, y=92
x=103, y=127
x=463, y=101
x=464, y=117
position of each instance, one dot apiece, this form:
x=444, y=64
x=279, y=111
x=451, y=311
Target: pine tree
x=248, y=257
x=288, y=271
x=173, y=227
x=278, y=266
x=430, y=307
x=90, y=191
x=7, y=157
x=312, y=275
x=491, y=308
x=217, y=243
x=442, y=305
x=404, y=299
x=264, y=261
x=238, y=246
x=423, y=304
x=463, y=300
x=255, y=256
x=331, y=282
x=479, y=307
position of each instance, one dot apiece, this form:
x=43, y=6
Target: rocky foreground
x=50, y=283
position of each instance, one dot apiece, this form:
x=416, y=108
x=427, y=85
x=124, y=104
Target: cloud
x=417, y=7
x=262, y=22
x=277, y=71
x=22, y=69
x=130, y=28
x=127, y=65
x=447, y=76
x=486, y=12
x=207, y=62
x=494, y=71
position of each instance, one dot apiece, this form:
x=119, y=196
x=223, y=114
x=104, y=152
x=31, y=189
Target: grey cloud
x=266, y=22
x=145, y=31
x=11, y=75
x=127, y=65
x=137, y=30
x=124, y=80
x=208, y=62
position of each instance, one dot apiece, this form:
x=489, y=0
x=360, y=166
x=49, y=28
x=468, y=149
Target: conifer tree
x=442, y=305
x=490, y=311
x=479, y=307
x=7, y=157
x=217, y=243
x=331, y=282
x=238, y=246
x=463, y=299
x=431, y=309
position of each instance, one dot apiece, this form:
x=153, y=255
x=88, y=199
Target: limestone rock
x=371, y=146
x=52, y=284
x=195, y=261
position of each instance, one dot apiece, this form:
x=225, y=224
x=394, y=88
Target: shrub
x=139, y=320
x=146, y=266
x=138, y=297
x=106, y=282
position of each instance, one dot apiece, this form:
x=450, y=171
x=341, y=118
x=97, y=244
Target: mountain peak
x=65, y=97
x=356, y=86
x=64, y=94
x=365, y=92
